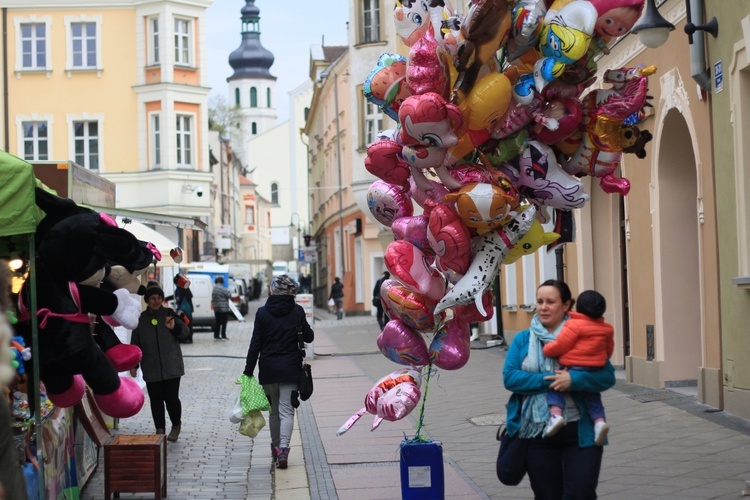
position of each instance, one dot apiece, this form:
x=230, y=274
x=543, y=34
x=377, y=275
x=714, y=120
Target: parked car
x=238, y=295
x=202, y=286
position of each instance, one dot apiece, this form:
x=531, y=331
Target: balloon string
x=417, y=437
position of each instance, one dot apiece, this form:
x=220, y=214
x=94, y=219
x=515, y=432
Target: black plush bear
x=74, y=248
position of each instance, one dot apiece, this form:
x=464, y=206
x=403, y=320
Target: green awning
x=18, y=210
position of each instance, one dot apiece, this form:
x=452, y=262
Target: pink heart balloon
x=402, y=345
x=414, y=230
x=384, y=161
x=451, y=347
x=410, y=266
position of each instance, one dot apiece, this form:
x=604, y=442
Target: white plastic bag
x=235, y=415
x=331, y=303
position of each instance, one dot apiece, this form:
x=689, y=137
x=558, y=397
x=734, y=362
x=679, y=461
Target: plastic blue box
x=422, y=474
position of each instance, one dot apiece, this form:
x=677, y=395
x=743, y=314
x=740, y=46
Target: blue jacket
x=523, y=383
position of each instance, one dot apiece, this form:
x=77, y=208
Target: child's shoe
x=601, y=429
x=556, y=422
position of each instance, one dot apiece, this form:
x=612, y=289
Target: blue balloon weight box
x=422, y=475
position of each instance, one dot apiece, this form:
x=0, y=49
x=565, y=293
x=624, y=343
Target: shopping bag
x=252, y=424
x=331, y=303
x=235, y=414
x=252, y=396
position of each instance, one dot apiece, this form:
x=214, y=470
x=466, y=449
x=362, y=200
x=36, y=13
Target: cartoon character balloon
x=402, y=345
x=449, y=239
x=413, y=309
x=392, y=397
x=385, y=86
x=410, y=266
x=484, y=207
x=385, y=162
x=388, y=202
x=414, y=230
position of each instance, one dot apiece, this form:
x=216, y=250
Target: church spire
x=251, y=59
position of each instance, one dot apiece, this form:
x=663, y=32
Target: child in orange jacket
x=585, y=342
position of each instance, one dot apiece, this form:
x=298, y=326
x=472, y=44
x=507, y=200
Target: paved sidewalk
x=670, y=448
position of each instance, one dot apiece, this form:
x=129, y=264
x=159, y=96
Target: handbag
x=252, y=395
x=511, y=458
x=305, y=382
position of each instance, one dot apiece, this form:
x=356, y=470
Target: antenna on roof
x=323, y=40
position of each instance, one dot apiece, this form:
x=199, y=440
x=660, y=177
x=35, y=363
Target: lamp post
x=299, y=236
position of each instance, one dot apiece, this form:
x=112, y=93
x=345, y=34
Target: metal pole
x=559, y=264
x=338, y=163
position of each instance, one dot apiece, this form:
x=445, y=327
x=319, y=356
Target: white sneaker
x=556, y=422
x=601, y=429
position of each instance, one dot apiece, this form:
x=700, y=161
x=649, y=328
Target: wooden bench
x=135, y=464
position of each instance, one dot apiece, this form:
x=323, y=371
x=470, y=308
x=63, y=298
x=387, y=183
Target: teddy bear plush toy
x=74, y=246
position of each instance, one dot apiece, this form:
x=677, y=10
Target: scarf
x=534, y=410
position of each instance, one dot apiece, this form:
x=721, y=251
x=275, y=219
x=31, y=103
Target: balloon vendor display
x=497, y=119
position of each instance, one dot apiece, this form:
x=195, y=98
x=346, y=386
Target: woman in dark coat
x=158, y=334
x=276, y=341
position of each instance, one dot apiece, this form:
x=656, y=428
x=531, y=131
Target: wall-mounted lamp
x=653, y=30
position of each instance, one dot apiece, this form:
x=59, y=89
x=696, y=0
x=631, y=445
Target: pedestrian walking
x=381, y=315
x=565, y=465
x=158, y=334
x=220, y=298
x=337, y=294
x=276, y=342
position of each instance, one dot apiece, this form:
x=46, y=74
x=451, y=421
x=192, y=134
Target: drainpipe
x=698, y=68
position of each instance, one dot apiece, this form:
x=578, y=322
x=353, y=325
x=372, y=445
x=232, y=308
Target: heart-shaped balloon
x=413, y=309
x=414, y=230
x=384, y=161
x=402, y=345
x=388, y=202
x=410, y=266
x=451, y=346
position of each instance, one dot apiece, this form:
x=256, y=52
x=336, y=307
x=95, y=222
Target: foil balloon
x=449, y=239
x=407, y=380
x=388, y=202
x=415, y=19
x=471, y=173
x=542, y=181
x=427, y=70
x=470, y=314
x=413, y=309
x=409, y=265
x=535, y=238
x=402, y=345
x=385, y=86
x=451, y=346
x=604, y=112
x=421, y=196
x=483, y=207
x=526, y=27
x=385, y=162
x=616, y=17
x=489, y=251
x=557, y=120
x=517, y=116
x=414, y=230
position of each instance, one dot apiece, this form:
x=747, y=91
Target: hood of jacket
x=280, y=305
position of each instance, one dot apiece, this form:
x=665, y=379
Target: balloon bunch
x=490, y=148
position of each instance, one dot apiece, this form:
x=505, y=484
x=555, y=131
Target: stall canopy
x=145, y=233
x=19, y=214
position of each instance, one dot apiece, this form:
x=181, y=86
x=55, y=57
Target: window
x=274, y=193
x=84, y=51
x=35, y=141
x=249, y=215
x=155, y=140
x=268, y=97
x=33, y=43
x=153, y=24
x=86, y=144
x=184, y=141
x=528, y=267
x=236, y=97
x=83, y=36
x=182, y=41
x=254, y=128
x=253, y=97
x=373, y=122
x=370, y=21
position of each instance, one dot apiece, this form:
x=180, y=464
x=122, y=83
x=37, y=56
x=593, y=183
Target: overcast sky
x=288, y=29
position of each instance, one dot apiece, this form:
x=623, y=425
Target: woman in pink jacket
x=585, y=342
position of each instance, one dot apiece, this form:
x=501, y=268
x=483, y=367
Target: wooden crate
x=135, y=464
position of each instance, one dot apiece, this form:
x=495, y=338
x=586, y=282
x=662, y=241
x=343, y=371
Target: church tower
x=252, y=87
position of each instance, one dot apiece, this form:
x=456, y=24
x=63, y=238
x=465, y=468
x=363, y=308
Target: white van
x=280, y=267
x=202, y=286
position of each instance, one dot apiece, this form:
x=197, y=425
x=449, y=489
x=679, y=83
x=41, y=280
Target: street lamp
x=299, y=234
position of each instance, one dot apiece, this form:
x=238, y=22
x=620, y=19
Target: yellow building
x=120, y=90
